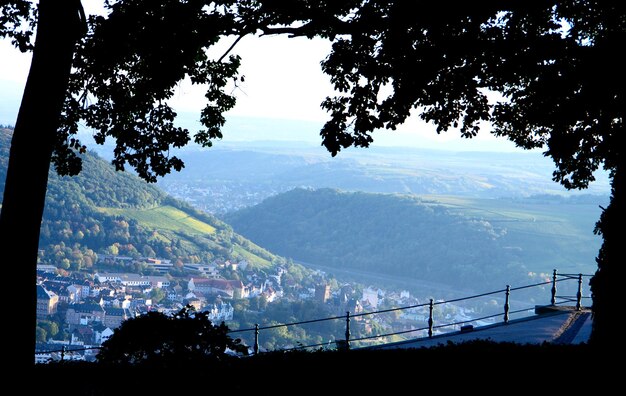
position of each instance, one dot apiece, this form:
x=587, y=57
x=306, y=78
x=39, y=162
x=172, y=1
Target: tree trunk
x=607, y=284
x=58, y=29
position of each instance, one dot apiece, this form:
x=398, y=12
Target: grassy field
x=165, y=218
x=530, y=223
x=251, y=257
x=170, y=222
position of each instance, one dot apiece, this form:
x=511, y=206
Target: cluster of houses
x=91, y=308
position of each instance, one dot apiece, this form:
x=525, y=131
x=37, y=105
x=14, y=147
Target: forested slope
x=101, y=210
x=459, y=241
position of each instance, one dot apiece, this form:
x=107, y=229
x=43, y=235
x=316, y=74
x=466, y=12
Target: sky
x=279, y=100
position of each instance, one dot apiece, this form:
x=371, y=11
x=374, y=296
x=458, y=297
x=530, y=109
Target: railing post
x=579, y=294
x=553, y=299
x=506, y=304
x=347, y=330
x=256, y=338
x=430, y=318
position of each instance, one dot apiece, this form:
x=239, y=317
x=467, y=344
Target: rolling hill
x=461, y=241
x=101, y=210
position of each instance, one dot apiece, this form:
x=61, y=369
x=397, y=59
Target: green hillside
x=101, y=210
x=547, y=231
x=165, y=218
x=458, y=241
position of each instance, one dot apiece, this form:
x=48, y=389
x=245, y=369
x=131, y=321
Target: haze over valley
x=499, y=215
x=231, y=176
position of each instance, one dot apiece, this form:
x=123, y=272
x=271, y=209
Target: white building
x=128, y=279
x=370, y=296
x=219, y=312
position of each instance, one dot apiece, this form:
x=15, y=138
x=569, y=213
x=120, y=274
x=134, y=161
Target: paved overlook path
x=560, y=325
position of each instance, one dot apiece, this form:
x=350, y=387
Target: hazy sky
x=283, y=83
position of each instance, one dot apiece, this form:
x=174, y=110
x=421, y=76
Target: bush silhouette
x=184, y=338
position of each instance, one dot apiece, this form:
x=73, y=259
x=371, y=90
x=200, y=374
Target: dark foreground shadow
x=480, y=366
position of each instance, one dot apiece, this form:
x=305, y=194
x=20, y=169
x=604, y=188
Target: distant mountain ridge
x=455, y=240
x=231, y=176
x=104, y=210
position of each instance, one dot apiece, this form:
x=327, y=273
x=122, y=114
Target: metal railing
x=429, y=329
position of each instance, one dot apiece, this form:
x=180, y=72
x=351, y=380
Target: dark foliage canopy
x=156, y=339
x=17, y=21
x=544, y=74
x=553, y=65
